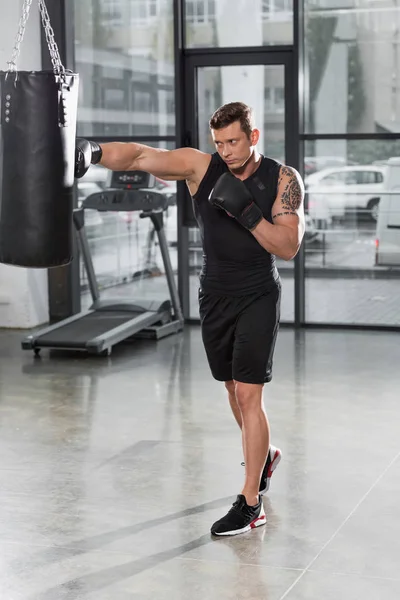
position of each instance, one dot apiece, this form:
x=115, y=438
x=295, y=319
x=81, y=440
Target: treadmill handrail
x=157, y=219
x=88, y=262
x=158, y=222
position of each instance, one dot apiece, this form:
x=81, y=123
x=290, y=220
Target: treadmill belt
x=78, y=333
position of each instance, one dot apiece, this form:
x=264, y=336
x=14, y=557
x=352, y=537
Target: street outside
x=128, y=262
x=123, y=245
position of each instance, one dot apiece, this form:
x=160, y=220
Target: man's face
x=233, y=145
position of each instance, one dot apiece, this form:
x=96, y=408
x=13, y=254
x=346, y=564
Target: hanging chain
x=53, y=48
x=54, y=53
x=12, y=64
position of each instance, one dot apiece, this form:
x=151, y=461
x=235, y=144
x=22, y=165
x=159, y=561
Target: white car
x=332, y=192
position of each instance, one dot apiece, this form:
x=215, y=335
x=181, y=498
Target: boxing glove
x=86, y=154
x=231, y=194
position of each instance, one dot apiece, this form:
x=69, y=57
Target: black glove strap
x=97, y=153
x=251, y=216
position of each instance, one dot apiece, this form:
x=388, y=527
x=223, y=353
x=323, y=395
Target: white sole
x=260, y=520
x=275, y=462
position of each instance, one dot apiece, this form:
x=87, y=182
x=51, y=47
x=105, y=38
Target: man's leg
x=274, y=454
x=254, y=340
x=230, y=386
x=255, y=436
x=247, y=511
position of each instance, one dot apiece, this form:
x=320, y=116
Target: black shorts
x=239, y=334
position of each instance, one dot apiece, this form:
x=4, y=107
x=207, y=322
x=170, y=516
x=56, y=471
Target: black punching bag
x=37, y=151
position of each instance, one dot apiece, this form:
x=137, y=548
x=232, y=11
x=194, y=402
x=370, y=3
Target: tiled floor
x=113, y=470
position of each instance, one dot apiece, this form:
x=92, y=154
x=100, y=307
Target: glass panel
x=260, y=86
x=353, y=254
x=252, y=84
x=124, y=248
x=353, y=66
x=213, y=23
x=125, y=58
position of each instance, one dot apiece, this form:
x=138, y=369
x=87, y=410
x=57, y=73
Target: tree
x=356, y=100
x=319, y=38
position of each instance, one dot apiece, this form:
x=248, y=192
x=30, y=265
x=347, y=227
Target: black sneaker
x=273, y=460
x=240, y=518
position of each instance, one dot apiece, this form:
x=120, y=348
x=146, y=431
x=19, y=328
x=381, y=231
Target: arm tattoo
x=292, y=194
x=284, y=213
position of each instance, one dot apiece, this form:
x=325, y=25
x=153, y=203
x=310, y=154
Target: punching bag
x=37, y=151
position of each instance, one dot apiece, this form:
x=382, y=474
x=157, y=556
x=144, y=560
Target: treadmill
x=110, y=321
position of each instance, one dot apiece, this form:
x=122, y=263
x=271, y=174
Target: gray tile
x=113, y=470
x=318, y=586
x=160, y=575
x=369, y=541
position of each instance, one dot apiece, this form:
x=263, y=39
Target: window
x=143, y=11
x=234, y=23
x=125, y=56
x=352, y=256
x=274, y=100
x=369, y=177
x=335, y=178
x=276, y=9
x=114, y=99
x=352, y=55
x=142, y=101
x=200, y=11
x=123, y=246
x=112, y=9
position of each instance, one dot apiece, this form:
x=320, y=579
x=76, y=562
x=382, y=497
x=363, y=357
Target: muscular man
x=249, y=208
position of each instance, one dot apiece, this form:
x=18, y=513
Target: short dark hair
x=229, y=113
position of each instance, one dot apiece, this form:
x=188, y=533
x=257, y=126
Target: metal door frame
x=197, y=58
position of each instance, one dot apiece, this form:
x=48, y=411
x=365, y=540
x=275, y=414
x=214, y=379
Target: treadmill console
x=126, y=200
x=129, y=191
x=132, y=180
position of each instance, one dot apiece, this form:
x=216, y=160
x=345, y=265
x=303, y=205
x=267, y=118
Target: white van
x=387, y=244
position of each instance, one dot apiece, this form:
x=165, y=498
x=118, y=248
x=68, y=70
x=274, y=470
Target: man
x=249, y=208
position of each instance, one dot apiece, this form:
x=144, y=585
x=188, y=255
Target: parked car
x=316, y=163
x=332, y=192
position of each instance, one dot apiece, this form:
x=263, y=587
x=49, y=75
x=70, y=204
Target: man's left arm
x=283, y=238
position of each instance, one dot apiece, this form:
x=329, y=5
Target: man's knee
x=230, y=386
x=248, y=395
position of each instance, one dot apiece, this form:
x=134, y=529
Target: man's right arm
x=179, y=164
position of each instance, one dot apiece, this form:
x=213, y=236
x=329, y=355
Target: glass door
x=265, y=81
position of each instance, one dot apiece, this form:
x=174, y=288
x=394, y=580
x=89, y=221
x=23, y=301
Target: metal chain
x=54, y=53
x=53, y=48
x=12, y=64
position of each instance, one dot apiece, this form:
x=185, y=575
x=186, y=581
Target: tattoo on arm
x=284, y=213
x=292, y=194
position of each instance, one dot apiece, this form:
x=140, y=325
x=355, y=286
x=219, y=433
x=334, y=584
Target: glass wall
x=220, y=23
x=352, y=67
x=124, y=247
x=124, y=54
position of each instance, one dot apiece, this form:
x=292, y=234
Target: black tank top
x=234, y=263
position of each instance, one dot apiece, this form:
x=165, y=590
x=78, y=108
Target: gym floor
x=113, y=470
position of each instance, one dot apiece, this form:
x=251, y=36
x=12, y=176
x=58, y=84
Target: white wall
x=23, y=292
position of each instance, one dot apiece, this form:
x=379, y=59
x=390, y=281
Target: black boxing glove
x=86, y=154
x=231, y=194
